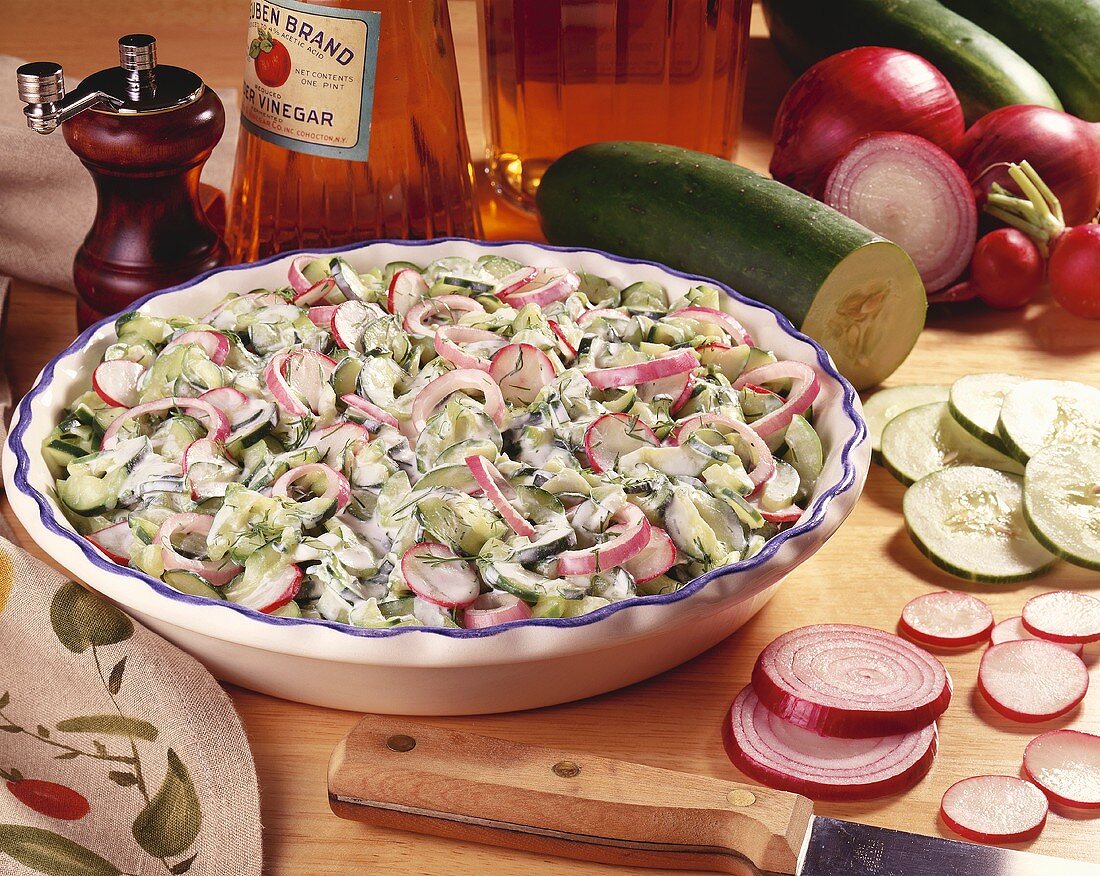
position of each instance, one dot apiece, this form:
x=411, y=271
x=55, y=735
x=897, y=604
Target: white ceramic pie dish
x=418, y=671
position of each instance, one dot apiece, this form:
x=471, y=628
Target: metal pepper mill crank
x=144, y=131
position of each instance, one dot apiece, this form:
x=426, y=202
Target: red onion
x=501, y=493
x=371, y=410
x=448, y=306
x=764, y=462
x=1064, y=150
x=217, y=572
x=298, y=281
x=724, y=321
x=460, y=380
x=851, y=681
x=1066, y=765
x=491, y=609
x=788, y=758
x=448, y=338
x=854, y=93
x=946, y=619
x=1030, y=680
x=994, y=809
x=643, y=372
x=546, y=287
x=631, y=537
x=804, y=389
x=336, y=485
x=217, y=424
x=913, y=193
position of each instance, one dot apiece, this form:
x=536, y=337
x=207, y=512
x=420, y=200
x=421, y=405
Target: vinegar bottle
x=351, y=128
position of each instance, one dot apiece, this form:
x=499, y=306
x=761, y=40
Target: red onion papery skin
x=853, y=93
x=1064, y=150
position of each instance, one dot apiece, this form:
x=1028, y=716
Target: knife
x=397, y=773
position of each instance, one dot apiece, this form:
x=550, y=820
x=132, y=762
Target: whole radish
x=1007, y=268
x=1074, y=271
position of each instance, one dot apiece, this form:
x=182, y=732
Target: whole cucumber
x=854, y=292
x=985, y=72
x=1060, y=38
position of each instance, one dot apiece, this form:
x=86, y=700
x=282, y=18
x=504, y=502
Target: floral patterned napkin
x=119, y=754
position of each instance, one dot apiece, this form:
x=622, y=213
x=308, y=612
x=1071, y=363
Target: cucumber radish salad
x=462, y=445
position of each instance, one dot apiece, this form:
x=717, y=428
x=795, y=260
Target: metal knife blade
x=844, y=848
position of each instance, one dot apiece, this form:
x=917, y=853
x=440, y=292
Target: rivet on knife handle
x=399, y=774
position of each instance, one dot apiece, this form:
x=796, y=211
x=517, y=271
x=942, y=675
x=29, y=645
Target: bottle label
x=309, y=80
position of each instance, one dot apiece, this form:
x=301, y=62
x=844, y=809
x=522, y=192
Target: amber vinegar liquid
x=404, y=173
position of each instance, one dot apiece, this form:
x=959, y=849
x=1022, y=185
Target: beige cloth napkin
x=119, y=754
x=47, y=200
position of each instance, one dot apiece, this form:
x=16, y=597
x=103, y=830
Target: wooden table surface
x=865, y=574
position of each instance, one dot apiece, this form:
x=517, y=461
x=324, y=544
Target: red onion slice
x=293, y=394
x=946, y=619
x=295, y=273
x=643, y=372
x=217, y=424
x=336, y=485
x=449, y=337
x=438, y=575
x=521, y=371
x=631, y=537
x=494, y=608
x=501, y=493
x=994, y=809
x=912, y=192
x=449, y=306
x=1064, y=616
x=319, y=291
x=1032, y=680
x=804, y=389
x=1013, y=630
x=736, y=331
x=116, y=382
x=851, y=681
x=217, y=572
x=546, y=287
x=763, y=461
x=789, y=758
x=371, y=410
x=321, y=315
x=461, y=380
x=1066, y=765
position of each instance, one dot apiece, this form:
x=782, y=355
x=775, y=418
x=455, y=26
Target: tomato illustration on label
x=271, y=58
x=48, y=798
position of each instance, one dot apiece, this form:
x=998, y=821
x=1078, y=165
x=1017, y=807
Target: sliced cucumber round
x=886, y=404
x=1037, y=413
x=1062, y=501
x=927, y=439
x=976, y=403
x=969, y=520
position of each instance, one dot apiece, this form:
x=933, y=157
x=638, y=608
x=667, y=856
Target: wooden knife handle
x=398, y=773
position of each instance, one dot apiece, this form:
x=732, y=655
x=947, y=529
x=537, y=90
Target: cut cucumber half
x=927, y=439
x=1062, y=501
x=976, y=403
x=969, y=521
x=886, y=404
x=191, y=584
x=1037, y=413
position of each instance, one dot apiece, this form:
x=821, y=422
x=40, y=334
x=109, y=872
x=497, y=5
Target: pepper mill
x=144, y=131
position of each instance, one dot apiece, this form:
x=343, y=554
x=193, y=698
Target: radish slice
x=373, y=412
x=216, y=573
x=784, y=515
x=804, y=389
x=1013, y=630
x=406, y=288
x=678, y=388
x=115, y=541
x=912, y=192
x=348, y=324
x=1063, y=616
x=1066, y=765
x=429, y=398
x=333, y=442
x=270, y=593
x=336, y=485
x=724, y=321
x=643, y=372
x=438, y=575
x=632, y=535
x=498, y=491
x=850, y=681
x=789, y=758
x=227, y=399
x=450, y=306
x=994, y=809
x=116, y=382
x=494, y=608
x=217, y=424
x=319, y=291
x=295, y=273
x=521, y=371
x=567, y=349
x=214, y=344
x=764, y=462
x=947, y=619
x=1032, y=680
x=516, y=280
x=322, y=315
x=611, y=436
x=448, y=338
x=654, y=559
x=549, y=285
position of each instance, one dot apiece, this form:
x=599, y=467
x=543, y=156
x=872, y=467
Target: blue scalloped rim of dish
x=817, y=511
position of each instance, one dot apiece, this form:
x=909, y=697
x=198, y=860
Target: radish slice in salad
x=406, y=288
x=546, y=287
x=438, y=575
x=448, y=338
x=1031, y=680
x=789, y=758
x=851, y=681
x=1065, y=764
x=643, y=372
x=336, y=485
x=217, y=424
x=319, y=291
x=371, y=410
x=763, y=461
x=994, y=809
x=946, y=619
x=348, y=323
x=460, y=380
x=115, y=541
x=322, y=315
x=631, y=538
x=567, y=349
x=295, y=273
x=216, y=573
x=676, y=388
x=269, y=593
x=501, y=493
x=654, y=559
x=449, y=306
x=214, y=344
x=1064, y=616
x=521, y=371
x=516, y=280
x=1013, y=630
x=804, y=389
x=612, y=436
x=724, y=321
x=116, y=382
x=494, y=608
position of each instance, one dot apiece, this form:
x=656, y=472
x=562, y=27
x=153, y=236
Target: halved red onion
x=298, y=280
x=321, y=315
x=736, y=331
x=494, y=608
x=319, y=291
x=116, y=382
x=642, y=372
x=804, y=389
x=447, y=343
x=372, y=410
x=783, y=756
x=214, y=344
x=654, y=559
x=1032, y=680
x=1012, y=630
x=1065, y=764
x=406, y=288
x=994, y=809
x=451, y=306
x=115, y=541
x=293, y=398
x=460, y=380
x=438, y=575
x=631, y=537
x=516, y=280
x=850, y=681
x=217, y=573
x=336, y=485
x=521, y=371
x=217, y=424
x=763, y=461
x=548, y=286
x=501, y=493
x=946, y=619
x=910, y=191
x=1064, y=616
x=611, y=436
